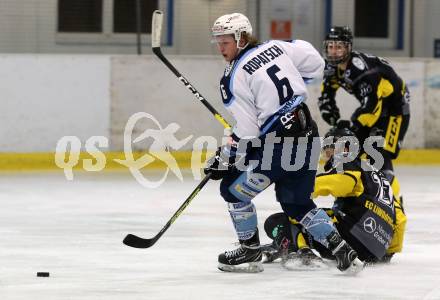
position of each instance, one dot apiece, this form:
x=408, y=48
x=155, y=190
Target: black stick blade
x=138, y=242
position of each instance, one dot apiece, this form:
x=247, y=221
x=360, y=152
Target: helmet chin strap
x=241, y=48
x=238, y=43
x=347, y=57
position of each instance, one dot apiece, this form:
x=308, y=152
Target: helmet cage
x=340, y=34
x=343, y=142
x=337, y=59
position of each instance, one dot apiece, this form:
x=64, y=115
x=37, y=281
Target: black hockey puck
x=42, y=274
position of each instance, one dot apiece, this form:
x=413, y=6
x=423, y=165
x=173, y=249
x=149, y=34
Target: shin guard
x=319, y=225
x=244, y=217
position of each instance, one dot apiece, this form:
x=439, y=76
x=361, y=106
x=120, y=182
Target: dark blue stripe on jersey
x=269, y=122
x=231, y=78
x=307, y=80
x=288, y=106
x=225, y=91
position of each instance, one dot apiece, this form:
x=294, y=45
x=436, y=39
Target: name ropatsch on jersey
x=262, y=58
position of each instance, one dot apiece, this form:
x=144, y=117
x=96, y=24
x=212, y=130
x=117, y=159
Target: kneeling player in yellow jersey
x=366, y=211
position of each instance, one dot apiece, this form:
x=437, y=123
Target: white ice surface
x=74, y=230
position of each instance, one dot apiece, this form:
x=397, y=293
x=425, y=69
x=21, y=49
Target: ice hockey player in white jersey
x=264, y=89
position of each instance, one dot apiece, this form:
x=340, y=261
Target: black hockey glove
x=344, y=124
x=347, y=124
x=329, y=113
x=376, y=131
x=219, y=165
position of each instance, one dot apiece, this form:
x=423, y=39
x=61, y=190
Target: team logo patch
x=370, y=225
x=365, y=89
x=257, y=181
x=329, y=72
x=358, y=63
x=245, y=192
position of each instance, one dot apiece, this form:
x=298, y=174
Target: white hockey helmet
x=234, y=24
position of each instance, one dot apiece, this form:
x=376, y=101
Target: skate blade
x=298, y=264
x=252, y=267
x=356, y=266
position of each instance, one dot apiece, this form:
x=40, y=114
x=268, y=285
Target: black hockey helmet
x=340, y=135
x=340, y=33
x=344, y=36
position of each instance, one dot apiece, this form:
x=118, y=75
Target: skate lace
x=235, y=252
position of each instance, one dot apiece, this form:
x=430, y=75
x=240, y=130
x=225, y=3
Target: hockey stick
x=131, y=239
x=138, y=242
x=155, y=43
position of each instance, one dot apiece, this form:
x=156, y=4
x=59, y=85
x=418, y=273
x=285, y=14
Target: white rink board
x=432, y=104
x=45, y=97
x=147, y=85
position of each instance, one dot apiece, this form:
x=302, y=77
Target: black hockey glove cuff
x=353, y=126
x=329, y=113
x=220, y=165
x=344, y=124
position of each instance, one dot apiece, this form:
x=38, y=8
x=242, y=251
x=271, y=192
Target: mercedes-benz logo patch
x=370, y=225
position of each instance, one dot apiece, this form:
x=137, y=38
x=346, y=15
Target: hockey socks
x=320, y=226
x=246, y=258
x=244, y=218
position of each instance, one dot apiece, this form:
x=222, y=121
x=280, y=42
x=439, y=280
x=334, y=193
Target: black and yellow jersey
x=371, y=79
x=366, y=211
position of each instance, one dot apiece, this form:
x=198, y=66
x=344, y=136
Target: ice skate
x=246, y=259
x=346, y=257
x=303, y=260
x=270, y=253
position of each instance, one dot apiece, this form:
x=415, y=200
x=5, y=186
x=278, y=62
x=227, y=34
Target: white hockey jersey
x=263, y=79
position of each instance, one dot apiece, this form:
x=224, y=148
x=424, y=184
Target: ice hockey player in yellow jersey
x=366, y=211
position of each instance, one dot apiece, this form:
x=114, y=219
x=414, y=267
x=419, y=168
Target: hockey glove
x=376, y=131
x=347, y=124
x=344, y=124
x=219, y=165
x=329, y=113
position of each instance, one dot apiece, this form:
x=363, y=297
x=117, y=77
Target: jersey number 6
x=282, y=85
